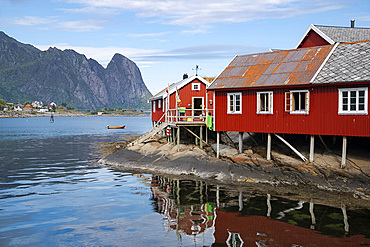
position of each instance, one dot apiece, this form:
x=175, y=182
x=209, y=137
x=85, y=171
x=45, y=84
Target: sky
x=167, y=38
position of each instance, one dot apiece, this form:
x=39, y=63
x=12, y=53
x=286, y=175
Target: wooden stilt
x=268, y=205
x=218, y=145
x=344, y=152
x=178, y=138
x=291, y=147
x=268, y=146
x=240, y=201
x=240, y=142
x=206, y=135
x=312, y=146
x=345, y=218
x=313, y=219
x=201, y=137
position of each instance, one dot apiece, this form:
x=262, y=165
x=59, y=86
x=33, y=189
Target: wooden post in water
x=268, y=146
x=313, y=219
x=268, y=205
x=201, y=137
x=218, y=145
x=344, y=152
x=240, y=142
x=312, y=146
x=240, y=201
x=178, y=138
x=345, y=218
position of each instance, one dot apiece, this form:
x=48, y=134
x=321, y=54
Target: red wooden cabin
x=187, y=99
x=317, y=35
x=320, y=90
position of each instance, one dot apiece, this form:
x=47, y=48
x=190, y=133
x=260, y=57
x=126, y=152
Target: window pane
x=345, y=94
x=303, y=101
x=263, y=101
x=231, y=102
x=295, y=101
x=361, y=107
x=237, y=108
x=361, y=93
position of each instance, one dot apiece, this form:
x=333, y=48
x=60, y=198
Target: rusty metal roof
x=278, y=68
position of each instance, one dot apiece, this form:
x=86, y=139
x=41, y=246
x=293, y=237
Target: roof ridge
x=341, y=27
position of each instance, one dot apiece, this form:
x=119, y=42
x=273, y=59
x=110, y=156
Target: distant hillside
x=28, y=74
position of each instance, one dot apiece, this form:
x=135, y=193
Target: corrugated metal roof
x=349, y=62
x=284, y=67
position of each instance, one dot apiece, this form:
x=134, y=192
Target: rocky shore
x=323, y=176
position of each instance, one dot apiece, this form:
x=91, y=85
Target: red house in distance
x=188, y=97
x=319, y=89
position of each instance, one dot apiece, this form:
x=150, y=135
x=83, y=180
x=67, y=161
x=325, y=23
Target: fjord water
x=54, y=193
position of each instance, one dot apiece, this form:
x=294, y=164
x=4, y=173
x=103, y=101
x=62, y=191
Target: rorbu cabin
x=182, y=107
x=183, y=101
x=317, y=35
x=314, y=90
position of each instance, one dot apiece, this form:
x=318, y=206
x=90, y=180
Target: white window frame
x=341, y=111
x=153, y=105
x=289, y=102
x=195, y=86
x=159, y=104
x=231, y=103
x=270, y=103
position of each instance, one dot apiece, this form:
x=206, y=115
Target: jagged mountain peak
x=28, y=74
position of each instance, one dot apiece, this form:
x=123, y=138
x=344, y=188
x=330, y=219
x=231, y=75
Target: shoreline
x=64, y=114
x=242, y=170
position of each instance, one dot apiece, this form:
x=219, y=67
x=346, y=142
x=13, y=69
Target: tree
x=54, y=108
x=64, y=104
x=2, y=103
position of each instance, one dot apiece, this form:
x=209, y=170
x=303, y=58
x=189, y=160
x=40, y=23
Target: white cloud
x=81, y=25
x=140, y=35
x=53, y=22
x=194, y=12
x=34, y=21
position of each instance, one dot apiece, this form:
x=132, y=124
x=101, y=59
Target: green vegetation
x=119, y=111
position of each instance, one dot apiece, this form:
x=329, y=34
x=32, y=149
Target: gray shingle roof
x=345, y=34
x=348, y=63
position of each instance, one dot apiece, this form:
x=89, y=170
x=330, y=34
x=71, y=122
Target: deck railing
x=187, y=115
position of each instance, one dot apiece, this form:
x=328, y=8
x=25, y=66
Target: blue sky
x=167, y=38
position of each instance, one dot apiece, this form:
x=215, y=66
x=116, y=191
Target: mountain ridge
x=28, y=74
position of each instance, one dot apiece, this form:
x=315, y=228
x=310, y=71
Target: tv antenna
x=196, y=69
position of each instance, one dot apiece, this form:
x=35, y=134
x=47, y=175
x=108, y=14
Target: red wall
x=313, y=39
x=158, y=111
x=186, y=94
x=323, y=118
x=275, y=233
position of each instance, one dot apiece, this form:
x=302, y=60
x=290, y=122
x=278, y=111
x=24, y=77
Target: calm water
x=53, y=193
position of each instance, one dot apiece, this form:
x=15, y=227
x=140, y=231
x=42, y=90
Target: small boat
x=116, y=127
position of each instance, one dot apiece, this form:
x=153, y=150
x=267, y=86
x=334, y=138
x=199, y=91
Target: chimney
x=185, y=76
x=352, y=23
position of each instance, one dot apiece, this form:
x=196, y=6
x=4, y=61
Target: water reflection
x=242, y=218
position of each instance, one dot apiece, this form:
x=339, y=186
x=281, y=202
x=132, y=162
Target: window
x=353, y=101
x=153, y=106
x=234, y=103
x=297, y=102
x=264, y=103
x=195, y=86
x=159, y=104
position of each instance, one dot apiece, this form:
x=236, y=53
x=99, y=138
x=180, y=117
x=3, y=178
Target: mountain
x=28, y=74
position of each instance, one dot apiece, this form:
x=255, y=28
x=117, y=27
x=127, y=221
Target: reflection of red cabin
x=188, y=95
x=191, y=219
x=268, y=232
